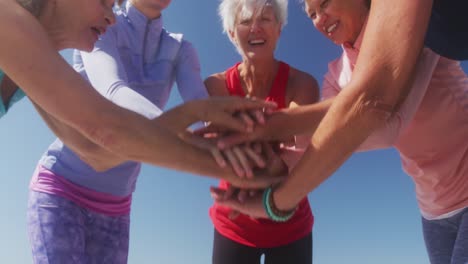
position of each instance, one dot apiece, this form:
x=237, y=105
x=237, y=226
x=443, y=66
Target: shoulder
x=178, y=40
x=216, y=84
x=302, y=87
x=299, y=77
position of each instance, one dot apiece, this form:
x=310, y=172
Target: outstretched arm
x=52, y=84
x=392, y=43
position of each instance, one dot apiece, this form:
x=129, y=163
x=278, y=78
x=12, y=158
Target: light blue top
x=18, y=95
x=134, y=65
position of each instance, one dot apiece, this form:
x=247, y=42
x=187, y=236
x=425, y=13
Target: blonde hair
x=33, y=6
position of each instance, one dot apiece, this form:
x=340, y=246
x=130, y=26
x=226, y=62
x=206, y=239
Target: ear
x=232, y=35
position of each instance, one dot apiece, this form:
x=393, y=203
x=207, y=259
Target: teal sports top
x=18, y=95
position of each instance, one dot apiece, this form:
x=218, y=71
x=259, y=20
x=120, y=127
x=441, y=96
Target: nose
x=255, y=27
x=320, y=19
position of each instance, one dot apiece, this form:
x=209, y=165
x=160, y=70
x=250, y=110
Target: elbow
x=374, y=111
x=104, y=134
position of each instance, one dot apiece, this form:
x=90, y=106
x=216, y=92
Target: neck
x=257, y=76
x=55, y=33
x=151, y=12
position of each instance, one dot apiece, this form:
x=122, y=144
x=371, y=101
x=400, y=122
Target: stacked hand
x=250, y=162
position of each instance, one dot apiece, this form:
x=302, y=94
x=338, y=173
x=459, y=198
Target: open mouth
x=257, y=42
x=331, y=28
x=98, y=30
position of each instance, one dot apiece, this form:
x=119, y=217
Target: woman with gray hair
x=254, y=27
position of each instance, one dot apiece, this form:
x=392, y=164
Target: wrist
x=272, y=211
x=283, y=200
x=191, y=110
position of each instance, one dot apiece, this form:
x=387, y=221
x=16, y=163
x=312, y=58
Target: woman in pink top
x=429, y=129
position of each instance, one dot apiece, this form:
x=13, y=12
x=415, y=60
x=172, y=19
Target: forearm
x=94, y=155
x=47, y=79
x=52, y=84
x=301, y=120
x=391, y=45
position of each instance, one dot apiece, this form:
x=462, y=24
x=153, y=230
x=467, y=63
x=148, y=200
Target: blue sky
x=366, y=213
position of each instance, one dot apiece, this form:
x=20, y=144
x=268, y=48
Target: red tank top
x=262, y=233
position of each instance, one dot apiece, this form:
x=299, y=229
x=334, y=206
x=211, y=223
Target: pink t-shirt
x=430, y=130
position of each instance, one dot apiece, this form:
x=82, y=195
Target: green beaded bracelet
x=274, y=213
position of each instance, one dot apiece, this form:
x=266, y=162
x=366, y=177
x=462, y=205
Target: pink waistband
x=46, y=181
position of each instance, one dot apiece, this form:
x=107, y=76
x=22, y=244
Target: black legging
x=226, y=251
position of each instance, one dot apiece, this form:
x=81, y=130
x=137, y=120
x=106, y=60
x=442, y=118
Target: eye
x=324, y=4
x=245, y=21
x=313, y=15
x=108, y=3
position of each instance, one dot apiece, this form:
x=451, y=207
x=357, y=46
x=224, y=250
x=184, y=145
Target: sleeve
x=188, y=76
x=388, y=135
x=106, y=72
x=330, y=87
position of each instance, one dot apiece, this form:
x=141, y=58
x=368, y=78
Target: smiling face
x=256, y=35
x=78, y=23
x=339, y=20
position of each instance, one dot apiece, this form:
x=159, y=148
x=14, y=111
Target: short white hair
x=228, y=10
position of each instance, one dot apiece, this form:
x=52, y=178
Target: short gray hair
x=228, y=10
x=33, y=6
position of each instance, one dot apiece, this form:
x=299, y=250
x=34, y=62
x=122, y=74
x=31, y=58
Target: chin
x=88, y=49
x=87, y=46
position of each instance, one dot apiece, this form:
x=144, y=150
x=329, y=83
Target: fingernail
x=222, y=163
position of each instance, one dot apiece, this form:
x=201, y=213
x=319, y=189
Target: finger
x=218, y=156
x=217, y=194
x=268, y=149
x=233, y=214
x=233, y=139
x=210, y=129
x=204, y=143
x=234, y=204
x=197, y=141
x=235, y=164
x=248, y=121
x=223, y=115
x=258, y=116
x=257, y=147
x=229, y=122
x=251, y=104
x=259, y=182
x=244, y=162
x=230, y=192
x=256, y=158
x=242, y=195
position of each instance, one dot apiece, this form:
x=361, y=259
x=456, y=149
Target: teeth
x=256, y=42
x=331, y=28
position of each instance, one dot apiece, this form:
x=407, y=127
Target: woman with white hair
x=254, y=27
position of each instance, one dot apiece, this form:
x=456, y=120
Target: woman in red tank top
x=254, y=29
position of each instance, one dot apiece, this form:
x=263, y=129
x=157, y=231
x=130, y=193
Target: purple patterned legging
x=62, y=232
